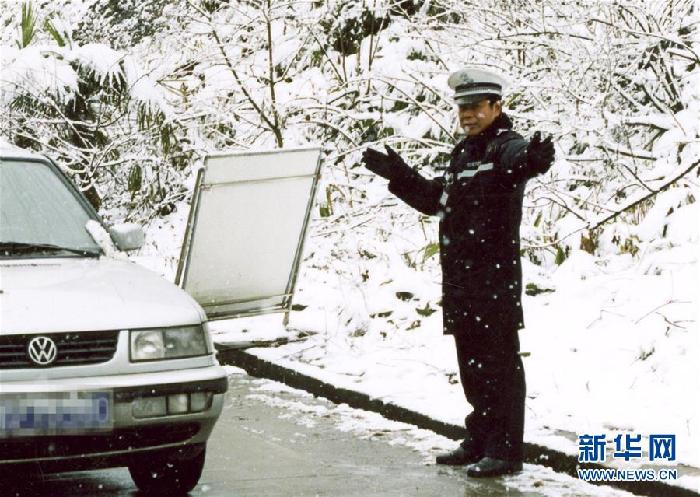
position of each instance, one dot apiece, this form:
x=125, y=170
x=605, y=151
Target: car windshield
x=39, y=214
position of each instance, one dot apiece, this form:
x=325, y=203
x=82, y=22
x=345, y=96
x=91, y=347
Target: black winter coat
x=479, y=203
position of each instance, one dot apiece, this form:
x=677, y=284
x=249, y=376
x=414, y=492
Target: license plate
x=55, y=413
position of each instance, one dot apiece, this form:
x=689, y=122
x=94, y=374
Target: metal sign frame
x=193, y=218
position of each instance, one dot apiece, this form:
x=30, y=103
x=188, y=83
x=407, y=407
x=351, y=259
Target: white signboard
x=246, y=230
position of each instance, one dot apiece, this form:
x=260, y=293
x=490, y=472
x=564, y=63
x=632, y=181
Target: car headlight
x=167, y=343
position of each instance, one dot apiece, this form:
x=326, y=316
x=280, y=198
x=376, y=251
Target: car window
x=39, y=213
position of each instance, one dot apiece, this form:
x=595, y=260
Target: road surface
x=273, y=441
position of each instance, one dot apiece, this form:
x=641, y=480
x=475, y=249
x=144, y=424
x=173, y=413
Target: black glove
x=540, y=153
x=389, y=165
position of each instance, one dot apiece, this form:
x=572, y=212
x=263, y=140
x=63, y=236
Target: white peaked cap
x=471, y=84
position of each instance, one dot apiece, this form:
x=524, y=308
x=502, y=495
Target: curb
x=534, y=454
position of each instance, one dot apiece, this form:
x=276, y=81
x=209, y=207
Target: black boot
x=458, y=457
x=489, y=466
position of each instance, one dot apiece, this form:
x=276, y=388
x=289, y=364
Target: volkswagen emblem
x=42, y=350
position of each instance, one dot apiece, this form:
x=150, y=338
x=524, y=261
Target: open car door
x=246, y=229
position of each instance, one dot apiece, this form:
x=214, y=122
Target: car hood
x=82, y=294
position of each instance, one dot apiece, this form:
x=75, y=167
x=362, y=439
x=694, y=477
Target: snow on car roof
x=10, y=151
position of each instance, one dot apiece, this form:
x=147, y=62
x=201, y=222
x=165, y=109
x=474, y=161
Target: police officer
x=479, y=205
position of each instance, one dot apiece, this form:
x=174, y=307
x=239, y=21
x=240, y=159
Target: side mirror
x=127, y=236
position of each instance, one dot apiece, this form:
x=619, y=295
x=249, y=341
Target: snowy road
x=274, y=441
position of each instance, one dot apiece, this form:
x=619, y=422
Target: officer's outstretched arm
x=404, y=182
x=520, y=160
x=418, y=192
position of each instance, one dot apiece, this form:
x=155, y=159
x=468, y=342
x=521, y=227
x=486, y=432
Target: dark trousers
x=493, y=379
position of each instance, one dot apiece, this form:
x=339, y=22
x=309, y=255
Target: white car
x=102, y=362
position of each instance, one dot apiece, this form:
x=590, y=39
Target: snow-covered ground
x=612, y=350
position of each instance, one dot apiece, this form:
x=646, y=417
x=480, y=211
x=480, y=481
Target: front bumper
x=128, y=437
